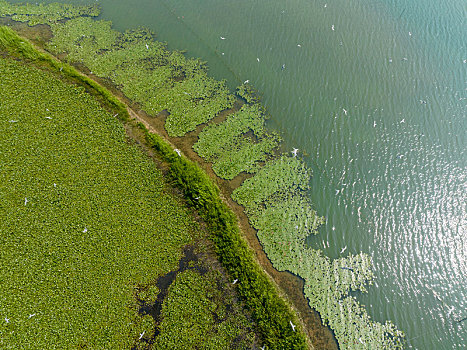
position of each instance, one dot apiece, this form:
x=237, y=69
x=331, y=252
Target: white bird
x=55, y=185
x=7, y=320
x=332, y=27
x=178, y=152
x=345, y=111
x=85, y=230
x=374, y=124
x=334, y=228
x=325, y=5
x=410, y=33
x=343, y=249
x=337, y=191
x=292, y=325
x=222, y=38
x=299, y=45
x=141, y=335
x=12, y=121
x=235, y=281
x=264, y=347
x=147, y=47
x=25, y=201
x=403, y=121
x=48, y=117
x=294, y=152
x=257, y=58
x=246, y=81
x=31, y=315
x=196, y=198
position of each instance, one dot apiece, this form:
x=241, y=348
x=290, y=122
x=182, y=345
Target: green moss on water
x=45, y=13
x=277, y=207
x=145, y=71
x=229, y=147
x=85, y=217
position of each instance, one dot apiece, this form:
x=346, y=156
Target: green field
x=88, y=225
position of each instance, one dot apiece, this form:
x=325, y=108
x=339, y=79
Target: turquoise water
x=374, y=95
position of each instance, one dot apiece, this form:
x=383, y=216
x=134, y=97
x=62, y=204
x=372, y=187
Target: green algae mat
x=87, y=226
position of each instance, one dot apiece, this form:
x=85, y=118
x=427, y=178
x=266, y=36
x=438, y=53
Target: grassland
x=87, y=222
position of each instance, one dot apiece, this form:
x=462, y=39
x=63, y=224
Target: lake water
x=374, y=94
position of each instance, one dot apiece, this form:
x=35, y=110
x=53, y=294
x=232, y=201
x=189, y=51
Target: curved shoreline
x=118, y=102
x=282, y=221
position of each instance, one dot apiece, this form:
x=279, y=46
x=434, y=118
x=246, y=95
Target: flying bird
x=235, y=281
x=222, y=38
x=147, y=47
x=141, y=335
x=85, y=230
x=345, y=111
x=294, y=152
x=343, y=249
x=292, y=325
x=25, y=201
x=178, y=152
x=31, y=315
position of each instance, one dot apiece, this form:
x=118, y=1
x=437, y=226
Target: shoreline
x=273, y=198
x=288, y=286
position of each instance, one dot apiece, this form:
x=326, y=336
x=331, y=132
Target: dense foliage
x=192, y=302
x=270, y=313
x=86, y=221
x=85, y=218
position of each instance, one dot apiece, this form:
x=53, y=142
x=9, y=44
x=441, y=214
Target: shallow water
x=374, y=95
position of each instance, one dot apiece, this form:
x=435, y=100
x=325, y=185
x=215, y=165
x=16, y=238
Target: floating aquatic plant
x=191, y=302
x=159, y=80
x=46, y=13
x=146, y=71
x=96, y=222
x=275, y=202
x=244, y=156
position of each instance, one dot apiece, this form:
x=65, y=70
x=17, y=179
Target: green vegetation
x=145, y=71
x=192, y=302
x=86, y=221
x=45, y=13
x=274, y=199
x=277, y=207
x=230, y=149
x=16, y=46
x=269, y=311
